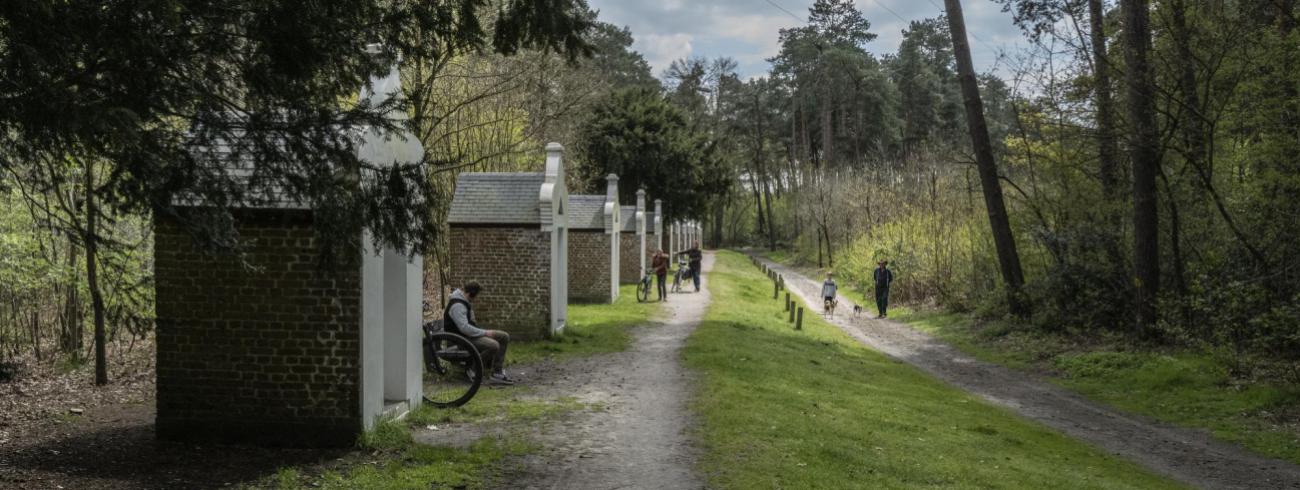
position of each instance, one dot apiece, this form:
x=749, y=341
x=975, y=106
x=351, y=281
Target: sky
x=747, y=30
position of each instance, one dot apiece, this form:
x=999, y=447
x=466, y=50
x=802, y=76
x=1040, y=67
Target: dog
x=857, y=310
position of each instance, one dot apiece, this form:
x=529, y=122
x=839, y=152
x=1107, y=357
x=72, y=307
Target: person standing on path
x=695, y=256
x=829, y=289
x=884, y=277
x=659, y=263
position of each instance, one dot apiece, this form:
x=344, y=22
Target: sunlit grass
x=782, y=408
x=591, y=329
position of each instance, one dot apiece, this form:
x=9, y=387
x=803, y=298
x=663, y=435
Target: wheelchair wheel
x=453, y=370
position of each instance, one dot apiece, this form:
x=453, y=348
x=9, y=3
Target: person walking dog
x=884, y=277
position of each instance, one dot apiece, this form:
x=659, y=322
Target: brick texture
x=267, y=354
x=513, y=265
x=628, y=261
x=589, y=266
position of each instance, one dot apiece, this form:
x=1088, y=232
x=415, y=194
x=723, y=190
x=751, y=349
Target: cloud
x=661, y=49
x=748, y=30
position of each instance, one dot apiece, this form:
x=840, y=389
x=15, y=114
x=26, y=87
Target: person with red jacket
x=659, y=263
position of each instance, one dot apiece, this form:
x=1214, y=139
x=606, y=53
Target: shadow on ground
x=115, y=447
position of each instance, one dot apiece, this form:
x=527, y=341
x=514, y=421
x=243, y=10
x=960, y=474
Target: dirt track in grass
x=640, y=437
x=1187, y=455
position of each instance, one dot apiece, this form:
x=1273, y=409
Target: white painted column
x=372, y=333
x=403, y=292
x=659, y=224
x=613, y=229
x=553, y=205
x=640, y=228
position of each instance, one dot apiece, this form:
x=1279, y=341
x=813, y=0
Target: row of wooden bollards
x=778, y=285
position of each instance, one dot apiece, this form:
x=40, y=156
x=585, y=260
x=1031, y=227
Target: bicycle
x=453, y=367
x=643, y=289
x=683, y=272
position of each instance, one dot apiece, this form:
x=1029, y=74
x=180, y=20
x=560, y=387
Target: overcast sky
x=747, y=30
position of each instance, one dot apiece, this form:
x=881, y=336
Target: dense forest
x=1134, y=172
x=1145, y=155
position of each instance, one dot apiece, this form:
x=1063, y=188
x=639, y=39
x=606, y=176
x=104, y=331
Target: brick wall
x=513, y=264
x=629, y=263
x=589, y=266
x=268, y=354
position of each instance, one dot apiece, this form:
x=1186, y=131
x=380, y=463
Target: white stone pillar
x=613, y=229
x=372, y=333
x=659, y=224
x=552, y=204
x=403, y=296
x=640, y=228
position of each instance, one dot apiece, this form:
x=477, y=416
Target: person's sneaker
x=500, y=379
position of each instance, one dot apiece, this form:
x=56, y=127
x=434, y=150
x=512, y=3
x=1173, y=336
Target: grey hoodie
x=460, y=316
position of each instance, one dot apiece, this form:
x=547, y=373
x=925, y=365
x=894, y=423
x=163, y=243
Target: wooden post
x=776, y=290
x=787, y=302
x=781, y=281
x=792, y=313
x=798, y=324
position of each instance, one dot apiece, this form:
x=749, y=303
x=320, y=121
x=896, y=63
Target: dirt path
x=1187, y=455
x=640, y=439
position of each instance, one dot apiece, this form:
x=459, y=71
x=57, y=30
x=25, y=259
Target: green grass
x=814, y=409
x=392, y=459
x=1182, y=387
x=592, y=329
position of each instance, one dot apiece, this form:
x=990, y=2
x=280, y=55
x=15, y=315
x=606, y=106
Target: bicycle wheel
x=454, y=371
x=643, y=290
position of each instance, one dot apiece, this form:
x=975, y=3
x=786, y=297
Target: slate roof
x=586, y=212
x=629, y=218
x=496, y=198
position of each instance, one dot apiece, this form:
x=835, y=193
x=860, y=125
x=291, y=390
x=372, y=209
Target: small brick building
x=633, y=261
x=595, y=225
x=509, y=232
x=286, y=352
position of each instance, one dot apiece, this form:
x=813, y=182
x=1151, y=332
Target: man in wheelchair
x=458, y=318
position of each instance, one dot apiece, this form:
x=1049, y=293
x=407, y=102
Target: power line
x=887, y=9
x=787, y=12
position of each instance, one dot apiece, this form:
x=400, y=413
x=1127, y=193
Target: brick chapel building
x=275, y=349
x=509, y=232
x=595, y=227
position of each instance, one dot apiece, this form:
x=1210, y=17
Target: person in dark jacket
x=659, y=264
x=884, y=277
x=458, y=318
x=695, y=256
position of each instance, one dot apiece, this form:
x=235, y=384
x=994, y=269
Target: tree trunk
x=1107, y=146
x=1143, y=152
x=820, y=259
x=1003, y=240
x=92, y=277
x=830, y=252
x=1191, y=122
x=771, y=225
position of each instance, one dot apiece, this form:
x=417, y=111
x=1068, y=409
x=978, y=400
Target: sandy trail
x=1187, y=455
x=641, y=438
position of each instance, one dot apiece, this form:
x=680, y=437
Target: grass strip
x=814, y=409
x=1179, y=386
x=591, y=329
